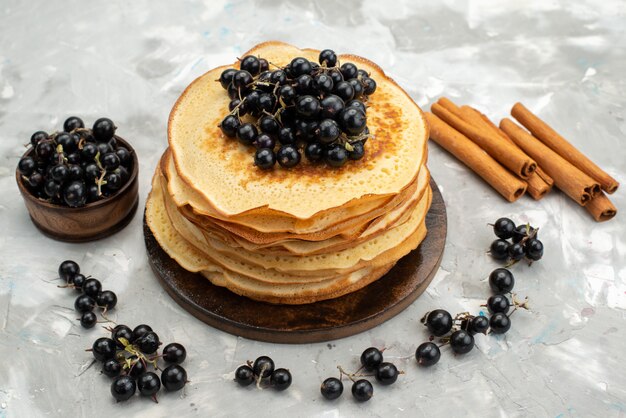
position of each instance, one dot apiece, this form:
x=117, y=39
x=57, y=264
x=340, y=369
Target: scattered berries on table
x=263, y=371
x=127, y=357
x=524, y=242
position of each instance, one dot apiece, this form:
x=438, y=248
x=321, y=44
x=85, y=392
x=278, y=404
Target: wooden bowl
x=90, y=222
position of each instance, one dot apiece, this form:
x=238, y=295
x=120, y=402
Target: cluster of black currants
x=263, y=371
x=126, y=355
x=362, y=390
x=76, y=166
x=464, y=326
x=305, y=105
x=91, y=294
x=524, y=242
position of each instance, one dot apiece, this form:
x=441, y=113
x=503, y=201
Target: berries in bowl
x=79, y=184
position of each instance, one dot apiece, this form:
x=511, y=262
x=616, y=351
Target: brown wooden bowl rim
x=133, y=176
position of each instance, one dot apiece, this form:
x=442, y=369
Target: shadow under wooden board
x=315, y=322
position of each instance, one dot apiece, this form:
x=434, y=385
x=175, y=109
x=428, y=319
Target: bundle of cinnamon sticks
x=514, y=160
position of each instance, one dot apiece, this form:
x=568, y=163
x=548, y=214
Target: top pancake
x=222, y=172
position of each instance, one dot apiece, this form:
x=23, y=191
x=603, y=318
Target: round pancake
x=195, y=238
x=183, y=195
x=221, y=170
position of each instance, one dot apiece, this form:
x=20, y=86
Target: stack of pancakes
x=298, y=235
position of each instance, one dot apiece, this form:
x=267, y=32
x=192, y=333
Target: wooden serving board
x=315, y=322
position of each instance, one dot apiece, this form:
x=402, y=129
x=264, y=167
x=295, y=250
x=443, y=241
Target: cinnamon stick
x=568, y=178
x=601, y=208
x=537, y=188
x=561, y=146
x=508, y=155
x=544, y=176
x=509, y=186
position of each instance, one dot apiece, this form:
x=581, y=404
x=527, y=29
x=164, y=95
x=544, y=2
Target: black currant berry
x=123, y=388
x=263, y=366
x=386, y=373
x=103, y=349
x=362, y=390
x=111, y=368
x=140, y=331
x=244, y=375
x=371, y=358
x=439, y=322
x=247, y=133
x=328, y=131
x=314, y=151
x=504, y=228
x=336, y=156
x=478, y=325
x=286, y=136
x=348, y=70
x=280, y=379
x=523, y=231
x=427, y=354
x=119, y=332
x=73, y=122
x=331, y=388
x=227, y=77
x=88, y=319
x=461, y=342
x=92, y=287
x=288, y=156
x=328, y=58
x=26, y=166
x=148, y=384
x=499, y=249
x=103, y=129
x=106, y=300
x=331, y=106
x=501, y=280
x=78, y=281
x=37, y=137
x=75, y=194
x=499, y=323
x=174, y=353
x=264, y=158
x=84, y=303
x=68, y=269
x=344, y=90
x=250, y=64
x=534, y=249
x=300, y=66
x=352, y=120
x=307, y=106
x=148, y=343
x=498, y=304
x=174, y=377
x=229, y=125
x=516, y=251
x=358, y=151
x=369, y=85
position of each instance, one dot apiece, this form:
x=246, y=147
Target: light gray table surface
x=131, y=60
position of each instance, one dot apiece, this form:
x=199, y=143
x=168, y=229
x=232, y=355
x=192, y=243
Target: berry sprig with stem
x=371, y=360
x=92, y=296
x=263, y=372
x=524, y=242
x=459, y=331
